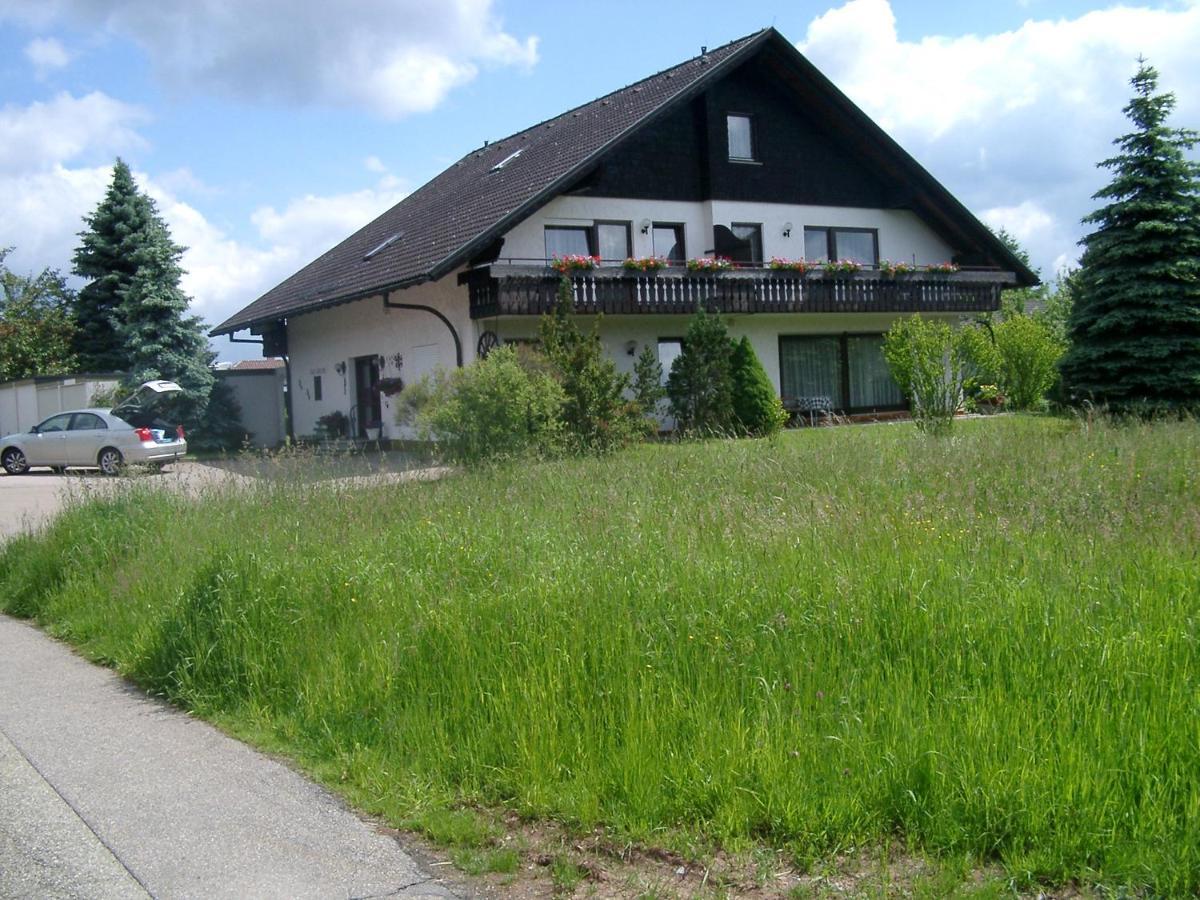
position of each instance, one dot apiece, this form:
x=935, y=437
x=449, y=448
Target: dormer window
x=740, y=128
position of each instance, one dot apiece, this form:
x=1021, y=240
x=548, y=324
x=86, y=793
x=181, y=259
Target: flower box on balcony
x=574, y=262
x=889, y=269
x=841, y=268
x=790, y=266
x=649, y=264
x=944, y=268
x=710, y=265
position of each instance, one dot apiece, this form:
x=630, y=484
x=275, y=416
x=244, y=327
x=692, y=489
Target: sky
x=267, y=131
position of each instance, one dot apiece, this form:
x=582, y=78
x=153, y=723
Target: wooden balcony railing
x=505, y=290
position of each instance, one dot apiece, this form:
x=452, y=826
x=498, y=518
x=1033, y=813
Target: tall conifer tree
x=105, y=256
x=133, y=315
x=1134, y=330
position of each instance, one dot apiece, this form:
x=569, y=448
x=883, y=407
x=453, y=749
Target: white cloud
x=42, y=135
x=393, y=57
x=46, y=54
x=1012, y=123
x=49, y=185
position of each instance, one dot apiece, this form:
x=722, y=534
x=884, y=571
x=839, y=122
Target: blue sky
x=268, y=131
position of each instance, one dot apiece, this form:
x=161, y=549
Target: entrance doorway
x=368, y=411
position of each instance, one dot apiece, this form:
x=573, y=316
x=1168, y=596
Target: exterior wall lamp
x=340, y=367
x=787, y=229
x=645, y=226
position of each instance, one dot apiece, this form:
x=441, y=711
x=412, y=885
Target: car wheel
x=14, y=462
x=110, y=461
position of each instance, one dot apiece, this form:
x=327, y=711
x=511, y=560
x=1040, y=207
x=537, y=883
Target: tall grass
x=986, y=644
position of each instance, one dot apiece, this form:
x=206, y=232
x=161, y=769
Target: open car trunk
x=154, y=405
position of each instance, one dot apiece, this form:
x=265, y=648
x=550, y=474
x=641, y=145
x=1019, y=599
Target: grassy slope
x=985, y=645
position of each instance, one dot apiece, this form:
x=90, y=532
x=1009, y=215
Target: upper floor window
x=567, y=240
x=858, y=244
x=612, y=242
x=748, y=243
x=608, y=240
x=741, y=136
x=668, y=242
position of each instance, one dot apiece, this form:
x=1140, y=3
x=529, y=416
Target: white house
x=745, y=151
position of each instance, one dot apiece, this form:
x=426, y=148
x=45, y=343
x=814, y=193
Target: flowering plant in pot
x=574, y=262
x=710, y=264
x=942, y=268
x=893, y=269
x=779, y=264
x=841, y=267
x=645, y=263
x=390, y=387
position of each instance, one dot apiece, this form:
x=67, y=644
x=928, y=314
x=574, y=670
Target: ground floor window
x=668, y=351
x=848, y=371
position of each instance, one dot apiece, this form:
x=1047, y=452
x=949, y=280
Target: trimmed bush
x=756, y=406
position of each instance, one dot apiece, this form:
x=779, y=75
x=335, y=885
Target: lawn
x=985, y=645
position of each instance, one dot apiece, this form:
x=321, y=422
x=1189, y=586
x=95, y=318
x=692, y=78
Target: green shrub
x=930, y=361
x=1028, y=355
x=756, y=406
x=700, y=385
x=495, y=408
x=597, y=417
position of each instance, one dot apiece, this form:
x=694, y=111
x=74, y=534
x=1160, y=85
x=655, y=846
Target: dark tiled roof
x=450, y=218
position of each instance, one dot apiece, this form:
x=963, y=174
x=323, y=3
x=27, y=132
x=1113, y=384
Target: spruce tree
x=133, y=315
x=106, y=257
x=700, y=383
x=159, y=338
x=1134, y=329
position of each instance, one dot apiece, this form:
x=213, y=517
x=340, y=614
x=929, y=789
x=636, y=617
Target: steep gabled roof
x=450, y=218
x=477, y=199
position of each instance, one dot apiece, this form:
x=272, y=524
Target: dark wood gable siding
x=796, y=161
x=662, y=162
x=684, y=155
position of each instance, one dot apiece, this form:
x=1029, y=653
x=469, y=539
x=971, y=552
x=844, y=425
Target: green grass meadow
x=986, y=645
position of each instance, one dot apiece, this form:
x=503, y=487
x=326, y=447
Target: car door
x=48, y=445
x=88, y=431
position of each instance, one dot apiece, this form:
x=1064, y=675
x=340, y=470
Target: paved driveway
x=29, y=501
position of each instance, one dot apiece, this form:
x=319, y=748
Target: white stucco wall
x=764, y=331
x=902, y=235
x=318, y=341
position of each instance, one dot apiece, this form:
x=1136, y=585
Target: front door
x=366, y=380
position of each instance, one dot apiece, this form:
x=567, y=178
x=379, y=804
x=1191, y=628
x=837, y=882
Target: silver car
x=135, y=431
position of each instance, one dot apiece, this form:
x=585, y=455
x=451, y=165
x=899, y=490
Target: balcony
x=531, y=289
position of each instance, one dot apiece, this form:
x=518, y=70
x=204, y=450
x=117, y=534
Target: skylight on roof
x=504, y=162
x=384, y=245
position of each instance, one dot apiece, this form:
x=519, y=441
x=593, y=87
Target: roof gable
x=460, y=212
x=451, y=217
